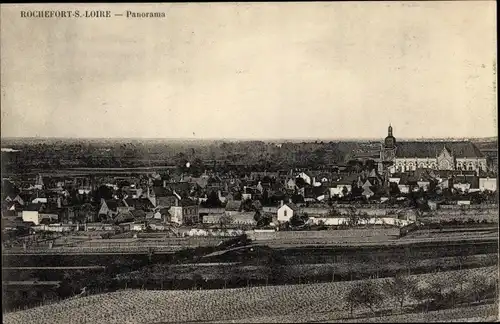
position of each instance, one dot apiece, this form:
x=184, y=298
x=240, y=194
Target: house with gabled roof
x=143, y=203
x=184, y=211
x=487, y=183
x=306, y=177
x=111, y=207
x=367, y=184
x=367, y=192
x=286, y=211
x=290, y=184
x=123, y=217
x=233, y=207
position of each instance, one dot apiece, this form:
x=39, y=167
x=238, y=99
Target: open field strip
x=401, y=241
x=142, y=306
x=481, y=313
x=458, y=235
x=55, y=268
x=30, y=283
x=271, y=243
x=216, y=270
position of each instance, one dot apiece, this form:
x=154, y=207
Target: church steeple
x=390, y=141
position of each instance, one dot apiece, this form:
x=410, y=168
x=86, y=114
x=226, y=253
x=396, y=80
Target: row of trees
x=439, y=293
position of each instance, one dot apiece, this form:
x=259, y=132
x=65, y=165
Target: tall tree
x=400, y=289
x=213, y=200
x=365, y=293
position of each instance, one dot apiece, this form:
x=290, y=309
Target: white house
x=31, y=216
x=290, y=184
x=395, y=180
x=338, y=190
x=137, y=227
x=286, y=211
x=462, y=186
x=424, y=185
x=404, y=188
x=306, y=177
x=246, y=196
x=36, y=217
x=488, y=184
x=316, y=183
x=39, y=200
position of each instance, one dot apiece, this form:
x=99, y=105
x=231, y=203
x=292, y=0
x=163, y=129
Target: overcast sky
x=264, y=70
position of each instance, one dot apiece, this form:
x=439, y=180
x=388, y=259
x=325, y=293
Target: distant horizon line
x=242, y=139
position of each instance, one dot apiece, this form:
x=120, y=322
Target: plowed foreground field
x=298, y=303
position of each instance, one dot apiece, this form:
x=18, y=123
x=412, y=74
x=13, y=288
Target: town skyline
x=243, y=139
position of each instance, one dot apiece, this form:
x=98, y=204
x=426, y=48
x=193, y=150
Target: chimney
x=281, y=203
x=164, y=183
x=176, y=202
x=290, y=200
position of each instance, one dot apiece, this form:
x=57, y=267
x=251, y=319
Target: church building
x=439, y=155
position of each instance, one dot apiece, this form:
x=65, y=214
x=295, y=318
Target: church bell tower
x=388, y=152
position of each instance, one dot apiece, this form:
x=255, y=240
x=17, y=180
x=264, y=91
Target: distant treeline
x=257, y=154
x=202, y=154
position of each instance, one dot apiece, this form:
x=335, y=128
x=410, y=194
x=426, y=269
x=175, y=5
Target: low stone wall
x=335, y=221
x=489, y=217
x=465, y=212
x=470, y=207
x=333, y=234
x=342, y=210
x=170, y=241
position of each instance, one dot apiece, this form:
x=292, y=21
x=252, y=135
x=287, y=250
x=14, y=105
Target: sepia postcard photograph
x=249, y=162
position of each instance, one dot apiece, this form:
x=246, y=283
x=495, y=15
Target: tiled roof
x=348, y=179
x=314, y=192
x=9, y=213
x=186, y=202
x=124, y=217
x=292, y=206
x=233, y=205
x=473, y=181
x=138, y=213
x=161, y=192
x=33, y=207
x=367, y=192
x=459, y=149
x=179, y=187
x=139, y=203
x=165, y=201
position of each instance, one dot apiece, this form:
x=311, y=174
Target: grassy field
x=301, y=303
x=483, y=313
